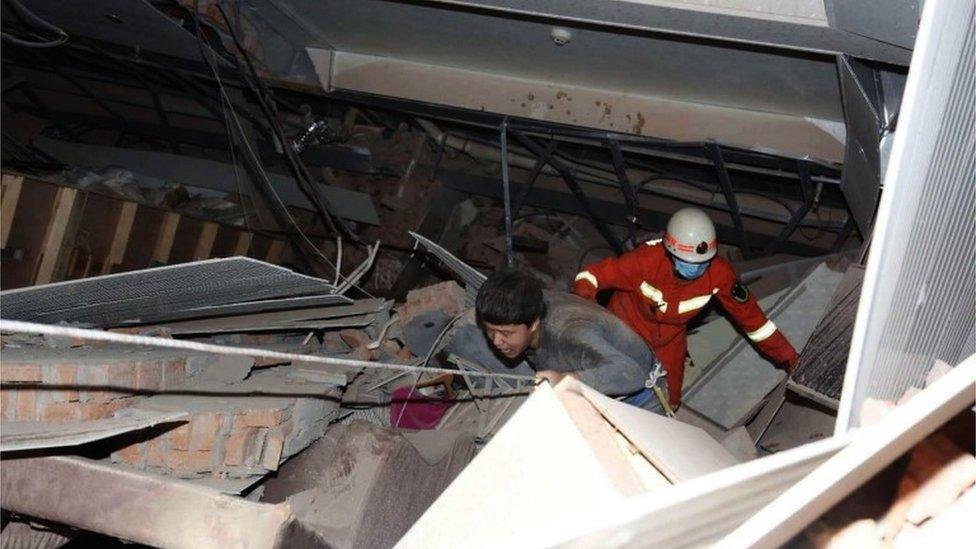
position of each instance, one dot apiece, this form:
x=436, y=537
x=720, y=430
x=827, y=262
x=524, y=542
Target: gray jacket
x=578, y=337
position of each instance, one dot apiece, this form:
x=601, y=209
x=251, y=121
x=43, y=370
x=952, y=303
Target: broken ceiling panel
x=570, y=103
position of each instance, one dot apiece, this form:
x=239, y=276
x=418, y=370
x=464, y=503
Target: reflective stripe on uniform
x=693, y=304
x=655, y=295
x=587, y=276
x=654, y=242
x=763, y=332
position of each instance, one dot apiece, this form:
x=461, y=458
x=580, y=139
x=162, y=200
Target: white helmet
x=691, y=236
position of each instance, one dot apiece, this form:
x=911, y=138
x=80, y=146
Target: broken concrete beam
x=378, y=482
x=142, y=508
x=427, y=312
x=45, y=384
x=239, y=430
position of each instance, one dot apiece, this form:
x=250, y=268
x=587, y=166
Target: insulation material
x=733, y=389
x=378, y=483
x=111, y=299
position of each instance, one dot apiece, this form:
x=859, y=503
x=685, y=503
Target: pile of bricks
x=239, y=433
x=45, y=384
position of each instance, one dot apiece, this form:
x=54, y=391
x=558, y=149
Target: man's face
x=511, y=340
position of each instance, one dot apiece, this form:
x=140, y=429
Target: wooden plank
x=54, y=255
x=164, y=243
x=243, y=244
x=535, y=472
x=205, y=241
x=120, y=240
x=12, y=184
x=275, y=251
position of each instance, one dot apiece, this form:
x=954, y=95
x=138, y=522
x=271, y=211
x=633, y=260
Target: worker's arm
x=595, y=362
x=618, y=273
x=744, y=309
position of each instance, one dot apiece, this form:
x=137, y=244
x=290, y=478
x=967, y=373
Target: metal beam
x=612, y=213
x=723, y=178
x=809, y=197
x=574, y=187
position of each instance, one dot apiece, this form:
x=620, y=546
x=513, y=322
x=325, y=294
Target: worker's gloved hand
x=585, y=290
x=790, y=365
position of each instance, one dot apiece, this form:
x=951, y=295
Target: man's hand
x=552, y=376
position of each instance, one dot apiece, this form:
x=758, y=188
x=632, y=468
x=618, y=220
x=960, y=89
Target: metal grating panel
x=108, y=300
x=918, y=299
x=472, y=279
x=824, y=359
x=247, y=307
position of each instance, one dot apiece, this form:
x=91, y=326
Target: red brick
x=266, y=417
x=6, y=400
x=65, y=376
x=149, y=376
x=174, y=373
x=156, y=450
x=404, y=354
x=62, y=411
x=204, y=429
x=20, y=373
x=189, y=462
x=26, y=409
x=100, y=377
x=123, y=375
x=243, y=447
x=179, y=438
x=271, y=455
x=100, y=410
x=131, y=455
x=354, y=338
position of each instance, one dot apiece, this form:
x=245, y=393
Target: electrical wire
x=30, y=17
x=225, y=99
x=266, y=101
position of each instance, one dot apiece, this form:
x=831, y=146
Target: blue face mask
x=690, y=271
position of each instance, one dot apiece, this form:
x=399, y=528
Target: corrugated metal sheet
x=111, y=299
x=918, y=299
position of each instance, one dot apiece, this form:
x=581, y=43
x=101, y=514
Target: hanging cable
x=32, y=18
x=267, y=103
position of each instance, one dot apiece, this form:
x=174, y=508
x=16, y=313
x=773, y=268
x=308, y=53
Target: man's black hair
x=510, y=296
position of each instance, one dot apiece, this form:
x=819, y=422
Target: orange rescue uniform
x=657, y=304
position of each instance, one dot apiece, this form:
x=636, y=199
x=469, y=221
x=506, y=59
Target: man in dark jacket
x=560, y=334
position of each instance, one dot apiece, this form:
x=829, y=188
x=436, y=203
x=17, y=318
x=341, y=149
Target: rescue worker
x=559, y=334
x=659, y=287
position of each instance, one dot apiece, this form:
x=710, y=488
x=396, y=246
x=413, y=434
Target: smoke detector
x=560, y=37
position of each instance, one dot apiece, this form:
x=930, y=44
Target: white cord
x=17, y=326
